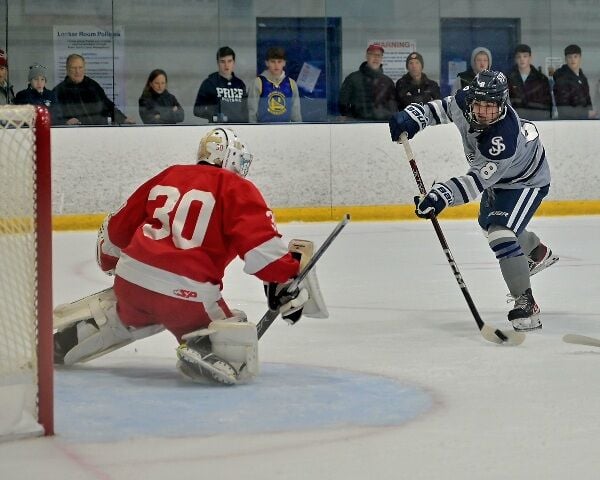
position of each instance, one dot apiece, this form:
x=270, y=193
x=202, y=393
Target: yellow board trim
x=365, y=213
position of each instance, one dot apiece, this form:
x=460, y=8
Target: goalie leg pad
x=70, y=313
x=219, y=351
x=93, y=329
x=237, y=343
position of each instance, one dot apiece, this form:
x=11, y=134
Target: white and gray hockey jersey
x=507, y=155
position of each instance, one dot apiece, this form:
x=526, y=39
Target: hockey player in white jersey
x=507, y=165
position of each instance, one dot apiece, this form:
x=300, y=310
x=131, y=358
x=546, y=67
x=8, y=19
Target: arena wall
x=305, y=171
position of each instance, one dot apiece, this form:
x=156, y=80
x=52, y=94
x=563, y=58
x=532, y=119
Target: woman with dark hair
x=157, y=105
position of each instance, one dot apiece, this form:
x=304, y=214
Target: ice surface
x=397, y=383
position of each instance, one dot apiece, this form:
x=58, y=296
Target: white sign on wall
x=394, y=56
x=308, y=77
x=104, y=60
x=454, y=68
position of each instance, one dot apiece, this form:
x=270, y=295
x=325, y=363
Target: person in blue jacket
x=36, y=92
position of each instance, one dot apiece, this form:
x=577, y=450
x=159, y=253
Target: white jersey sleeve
x=507, y=155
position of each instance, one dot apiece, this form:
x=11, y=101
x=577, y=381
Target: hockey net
x=26, y=372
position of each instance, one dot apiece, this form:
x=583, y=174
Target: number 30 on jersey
x=181, y=217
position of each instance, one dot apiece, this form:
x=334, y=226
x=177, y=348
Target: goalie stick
x=581, y=340
x=491, y=334
x=269, y=317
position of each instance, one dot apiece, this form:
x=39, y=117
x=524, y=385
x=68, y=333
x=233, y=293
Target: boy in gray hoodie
x=481, y=59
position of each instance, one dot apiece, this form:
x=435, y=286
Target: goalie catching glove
x=307, y=298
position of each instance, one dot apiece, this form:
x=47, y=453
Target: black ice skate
x=525, y=315
x=540, y=258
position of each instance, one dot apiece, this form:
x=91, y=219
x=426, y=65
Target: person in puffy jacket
x=82, y=100
x=368, y=94
x=36, y=92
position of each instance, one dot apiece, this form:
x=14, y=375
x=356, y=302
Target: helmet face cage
x=223, y=148
x=238, y=159
x=488, y=86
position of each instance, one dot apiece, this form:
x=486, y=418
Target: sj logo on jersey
x=185, y=293
x=497, y=146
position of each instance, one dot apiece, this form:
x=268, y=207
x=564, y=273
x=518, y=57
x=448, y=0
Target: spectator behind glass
x=274, y=96
x=223, y=97
x=157, y=105
x=7, y=94
x=415, y=86
x=571, y=88
x=481, y=59
x=529, y=88
x=36, y=92
x=368, y=94
x=596, y=98
x=82, y=100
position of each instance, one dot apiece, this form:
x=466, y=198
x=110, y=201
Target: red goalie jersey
x=177, y=233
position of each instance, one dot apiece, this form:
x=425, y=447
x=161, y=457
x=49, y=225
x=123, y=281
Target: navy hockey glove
x=410, y=120
x=438, y=198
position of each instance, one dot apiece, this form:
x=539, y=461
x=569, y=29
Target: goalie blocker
x=307, y=299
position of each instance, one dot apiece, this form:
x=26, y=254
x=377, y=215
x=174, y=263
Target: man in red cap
x=6, y=90
x=368, y=94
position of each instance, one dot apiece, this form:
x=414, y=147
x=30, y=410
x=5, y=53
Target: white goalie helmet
x=222, y=147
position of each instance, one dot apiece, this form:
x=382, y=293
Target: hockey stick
x=581, y=340
x=269, y=317
x=489, y=333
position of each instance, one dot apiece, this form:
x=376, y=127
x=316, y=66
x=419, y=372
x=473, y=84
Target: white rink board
x=95, y=168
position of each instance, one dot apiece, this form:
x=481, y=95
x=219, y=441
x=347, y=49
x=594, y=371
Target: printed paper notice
x=308, y=77
x=454, y=68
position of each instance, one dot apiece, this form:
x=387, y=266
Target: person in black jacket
x=415, y=86
x=36, y=92
x=82, y=100
x=571, y=88
x=529, y=89
x=223, y=97
x=157, y=105
x=368, y=94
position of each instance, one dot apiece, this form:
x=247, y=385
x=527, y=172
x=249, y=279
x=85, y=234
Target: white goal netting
x=19, y=270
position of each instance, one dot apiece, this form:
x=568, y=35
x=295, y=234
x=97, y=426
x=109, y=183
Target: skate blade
x=544, y=265
x=216, y=374
x=527, y=329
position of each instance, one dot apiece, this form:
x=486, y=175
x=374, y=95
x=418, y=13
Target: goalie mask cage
x=26, y=358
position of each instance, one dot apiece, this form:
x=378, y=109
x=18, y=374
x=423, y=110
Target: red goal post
x=26, y=354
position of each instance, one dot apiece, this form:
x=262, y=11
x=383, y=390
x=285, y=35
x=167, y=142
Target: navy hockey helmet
x=222, y=147
x=487, y=86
